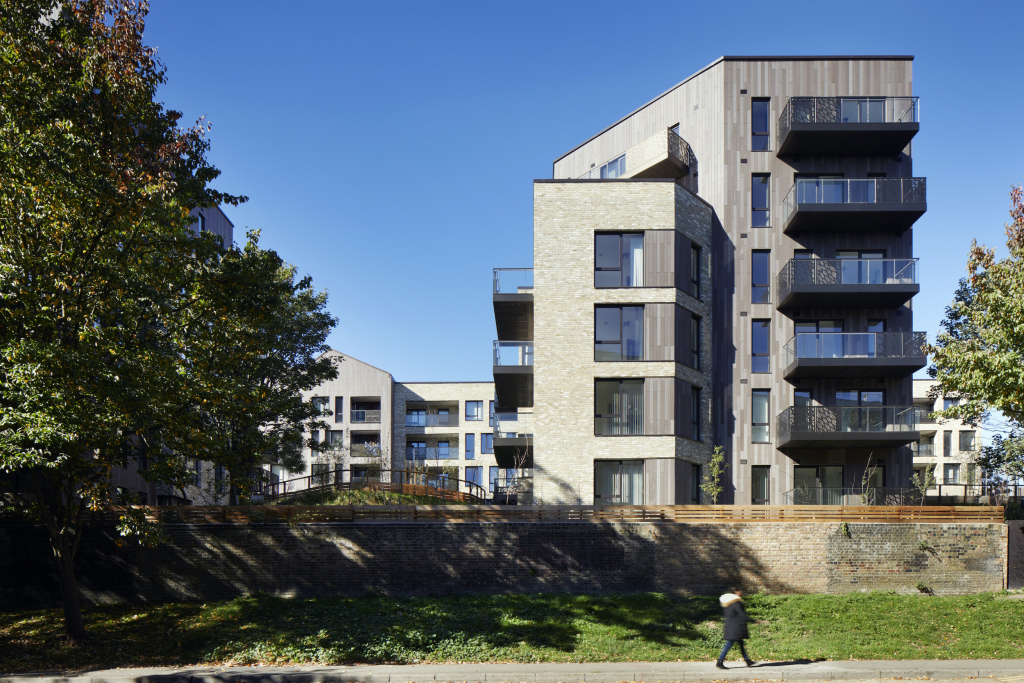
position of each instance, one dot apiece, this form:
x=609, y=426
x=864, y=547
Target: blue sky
x=389, y=149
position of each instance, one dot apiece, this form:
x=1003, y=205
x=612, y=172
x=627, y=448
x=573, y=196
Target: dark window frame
x=486, y=443
x=765, y=295
x=768, y=484
x=767, y=209
x=766, y=354
x=759, y=136
x=621, y=358
x=767, y=393
x=696, y=474
x=479, y=414
x=622, y=417
x=619, y=235
x=695, y=323
x=469, y=447
x=339, y=409
x=695, y=414
x=695, y=254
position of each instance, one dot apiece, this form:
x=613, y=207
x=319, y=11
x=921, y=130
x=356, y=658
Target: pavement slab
x=1003, y=671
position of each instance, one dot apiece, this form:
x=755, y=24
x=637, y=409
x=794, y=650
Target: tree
x=712, y=484
x=979, y=356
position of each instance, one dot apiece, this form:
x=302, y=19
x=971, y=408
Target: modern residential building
x=948, y=449
x=730, y=264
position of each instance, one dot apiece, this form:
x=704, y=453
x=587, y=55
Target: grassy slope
x=515, y=628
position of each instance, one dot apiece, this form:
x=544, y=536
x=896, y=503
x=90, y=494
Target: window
x=695, y=480
x=202, y=222
x=695, y=413
x=760, y=345
x=695, y=342
x=339, y=408
x=336, y=437
x=416, y=450
x=314, y=439
x=474, y=411
x=492, y=478
x=490, y=413
x=947, y=443
x=618, y=260
x=876, y=326
x=416, y=418
x=442, y=417
x=618, y=333
x=442, y=450
x=759, y=114
x=614, y=168
x=760, y=279
x=618, y=482
x=759, y=416
x=759, y=200
x=866, y=414
x=818, y=485
x=321, y=474
x=487, y=443
x=862, y=110
x=948, y=403
x=470, y=446
x=803, y=254
x=475, y=475
x=877, y=478
x=320, y=403
x=618, y=407
x=218, y=479
x=760, y=485
x=694, y=271
x=802, y=398
x=197, y=476
x=695, y=186
x=950, y=474
x=966, y=440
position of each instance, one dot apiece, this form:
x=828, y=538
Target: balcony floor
x=847, y=139
x=507, y=449
x=513, y=387
x=513, y=316
x=853, y=217
x=848, y=296
x=853, y=368
x=848, y=439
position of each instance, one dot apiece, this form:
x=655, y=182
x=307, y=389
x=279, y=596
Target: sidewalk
x=1005, y=671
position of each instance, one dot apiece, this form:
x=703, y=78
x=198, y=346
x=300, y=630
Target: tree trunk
x=73, y=623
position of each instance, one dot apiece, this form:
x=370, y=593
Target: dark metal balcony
x=854, y=205
x=847, y=283
x=846, y=427
x=364, y=416
x=416, y=417
x=513, y=375
x=413, y=453
x=513, y=303
x=847, y=126
x=854, y=355
x=513, y=440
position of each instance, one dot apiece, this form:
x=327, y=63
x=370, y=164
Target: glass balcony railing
x=422, y=418
x=838, y=419
x=513, y=353
x=431, y=453
x=853, y=191
x=513, y=280
x=819, y=271
x=512, y=425
x=841, y=345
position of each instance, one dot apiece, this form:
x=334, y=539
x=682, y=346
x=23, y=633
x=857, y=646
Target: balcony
x=925, y=450
x=513, y=375
x=415, y=417
x=847, y=126
x=853, y=205
x=428, y=453
x=365, y=416
x=818, y=495
x=846, y=427
x=854, y=355
x=513, y=303
x=847, y=283
x=513, y=440
x=663, y=155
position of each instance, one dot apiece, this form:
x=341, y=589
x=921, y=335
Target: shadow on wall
x=723, y=347
x=214, y=562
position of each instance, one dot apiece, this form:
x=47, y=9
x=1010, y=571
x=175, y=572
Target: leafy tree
x=712, y=484
x=99, y=301
x=979, y=356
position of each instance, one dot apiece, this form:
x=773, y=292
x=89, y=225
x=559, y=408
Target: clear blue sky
x=389, y=149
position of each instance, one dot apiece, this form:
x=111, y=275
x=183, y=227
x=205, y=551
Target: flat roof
x=740, y=58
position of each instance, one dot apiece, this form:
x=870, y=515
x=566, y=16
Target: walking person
x=735, y=630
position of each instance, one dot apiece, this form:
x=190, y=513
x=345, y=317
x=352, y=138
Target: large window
x=619, y=482
x=416, y=418
x=761, y=430
x=474, y=411
x=475, y=475
x=618, y=260
x=760, y=485
x=760, y=346
x=487, y=443
x=695, y=342
x=618, y=333
x=947, y=443
x=759, y=184
x=760, y=277
x=618, y=407
x=470, y=446
x=321, y=474
x=950, y=474
x=614, y=168
x=339, y=408
x=759, y=115
x=966, y=440
x=336, y=438
x=869, y=416
x=695, y=271
x=490, y=413
x=443, y=450
x=320, y=403
x=695, y=413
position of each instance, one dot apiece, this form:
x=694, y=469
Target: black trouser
x=729, y=644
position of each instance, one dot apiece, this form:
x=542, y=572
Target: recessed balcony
x=854, y=355
x=846, y=427
x=853, y=205
x=847, y=283
x=513, y=303
x=513, y=375
x=662, y=155
x=513, y=440
x=847, y=126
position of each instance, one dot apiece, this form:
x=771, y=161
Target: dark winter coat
x=736, y=621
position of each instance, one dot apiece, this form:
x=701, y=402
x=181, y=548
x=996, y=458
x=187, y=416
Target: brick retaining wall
x=216, y=561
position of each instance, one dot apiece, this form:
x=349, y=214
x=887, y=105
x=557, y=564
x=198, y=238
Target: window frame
x=486, y=443
x=695, y=414
x=960, y=439
x=767, y=469
x=619, y=269
x=695, y=350
x=696, y=475
x=766, y=296
x=479, y=413
x=621, y=358
x=767, y=209
x=767, y=393
x=619, y=164
x=469, y=446
x=339, y=409
x=622, y=417
x=490, y=413
x=695, y=254
x=766, y=134
x=767, y=353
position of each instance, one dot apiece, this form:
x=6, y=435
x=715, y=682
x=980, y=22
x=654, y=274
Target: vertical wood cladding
x=659, y=415
x=660, y=332
x=659, y=252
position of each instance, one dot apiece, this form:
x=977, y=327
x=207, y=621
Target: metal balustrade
x=847, y=110
x=427, y=453
x=842, y=345
x=821, y=272
x=853, y=191
x=839, y=419
x=513, y=353
x=361, y=416
x=644, y=153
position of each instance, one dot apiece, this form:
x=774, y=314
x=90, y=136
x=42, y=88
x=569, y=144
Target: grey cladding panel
x=659, y=331
x=659, y=481
x=658, y=406
x=659, y=246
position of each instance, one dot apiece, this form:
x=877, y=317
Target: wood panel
x=659, y=257
x=659, y=410
x=660, y=332
x=659, y=481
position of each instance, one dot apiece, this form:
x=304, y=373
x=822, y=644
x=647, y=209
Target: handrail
x=438, y=485
x=648, y=149
x=848, y=109
x=513, y=353
x=838, y=345
x=513, y=280
x=854, y=191
x=825, y=272
x=680, y=514
x=897, y=495
x=834, y=419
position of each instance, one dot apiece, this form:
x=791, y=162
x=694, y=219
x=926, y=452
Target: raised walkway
x=1001, y=670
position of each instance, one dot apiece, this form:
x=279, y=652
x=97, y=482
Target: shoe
x=719, y=665
x=750, y=662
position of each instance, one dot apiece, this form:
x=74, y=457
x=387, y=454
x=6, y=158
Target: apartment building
x=948, y=449
x=730, y=264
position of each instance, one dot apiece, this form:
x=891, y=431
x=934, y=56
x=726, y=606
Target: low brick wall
x=216, y=561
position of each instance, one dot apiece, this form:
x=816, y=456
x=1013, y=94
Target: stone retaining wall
x=217, y=561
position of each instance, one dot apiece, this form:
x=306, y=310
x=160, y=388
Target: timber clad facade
x=761, y=213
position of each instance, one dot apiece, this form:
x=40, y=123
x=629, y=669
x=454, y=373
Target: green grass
x=361, y=497
x=514, y=628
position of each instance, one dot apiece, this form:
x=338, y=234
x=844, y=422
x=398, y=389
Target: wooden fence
x=264, y=514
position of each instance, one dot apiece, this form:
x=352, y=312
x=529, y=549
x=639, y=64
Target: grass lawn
x=514, y=628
